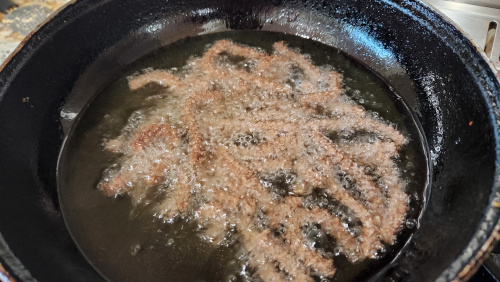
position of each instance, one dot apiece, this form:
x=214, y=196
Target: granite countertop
x=19, y=17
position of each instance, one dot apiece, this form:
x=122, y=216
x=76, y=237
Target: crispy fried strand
x=253, y=137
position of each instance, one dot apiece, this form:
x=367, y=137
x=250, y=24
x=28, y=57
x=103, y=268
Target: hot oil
x=131, y=244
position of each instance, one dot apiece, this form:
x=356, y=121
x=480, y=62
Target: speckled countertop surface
x=19, y=17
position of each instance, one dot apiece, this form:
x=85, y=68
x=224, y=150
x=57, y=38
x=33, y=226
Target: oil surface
x=129, y=244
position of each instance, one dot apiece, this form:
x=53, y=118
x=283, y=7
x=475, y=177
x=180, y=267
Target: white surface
x=474, y=21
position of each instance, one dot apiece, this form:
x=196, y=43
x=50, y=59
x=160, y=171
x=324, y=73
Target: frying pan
x=437, y=71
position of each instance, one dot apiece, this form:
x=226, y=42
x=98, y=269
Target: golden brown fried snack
x=266, y=145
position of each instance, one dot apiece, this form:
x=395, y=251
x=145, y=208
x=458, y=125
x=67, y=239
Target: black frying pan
x=90, y=41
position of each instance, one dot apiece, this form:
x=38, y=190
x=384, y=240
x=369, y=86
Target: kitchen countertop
x=19, y=17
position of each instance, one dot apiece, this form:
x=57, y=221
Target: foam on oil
x=128, y=243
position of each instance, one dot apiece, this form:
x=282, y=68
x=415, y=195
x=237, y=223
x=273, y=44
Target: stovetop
x=479, y=19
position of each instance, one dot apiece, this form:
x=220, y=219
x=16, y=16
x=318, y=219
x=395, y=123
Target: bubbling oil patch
x=263, y=149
